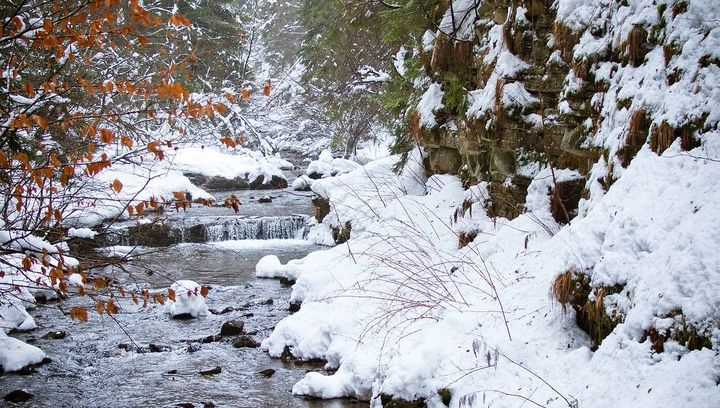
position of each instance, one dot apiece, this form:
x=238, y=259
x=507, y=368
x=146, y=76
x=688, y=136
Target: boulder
x=245, y=342
x=55, y=335
x=265, y=199
x=17, y=396
x=232, y=328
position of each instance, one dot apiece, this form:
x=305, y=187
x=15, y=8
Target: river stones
x=55, y=335
x=232, y=328
x=245, y=342
x=17, y=396
x=267, y=373
x=211, y=371
x=264, y=199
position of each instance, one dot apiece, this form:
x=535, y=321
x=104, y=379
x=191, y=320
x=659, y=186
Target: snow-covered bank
x=401, y=310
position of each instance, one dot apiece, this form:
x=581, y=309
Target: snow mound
x=188, y=300
x=326, y=166
x=15, y=354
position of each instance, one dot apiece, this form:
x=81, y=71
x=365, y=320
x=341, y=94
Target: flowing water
x=143, y=358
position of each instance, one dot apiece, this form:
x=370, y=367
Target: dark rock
x=389, y=401
x=208, y=405
x=222, y=312
x=211, y=371
x=211, y=338
x=31, y=340
x=322, y=207
x=245, y=342
x=128, y=347
x=248, y=315
x=276, y=182
x=286, y=281
x=265, y=199
x=183, y=316
x=185, y=405
x=232, y=328
x=191, y=348
x=55, y=335
x=172, y=372
x=196, y=233
x=287, y=354
x=18, y=396
x=153, y=235
x=46, y=360
x=315, y=175
x=267, y=373
x=267, y=302
x=158, y=348
x=252, y=333
x=27, y=370
x=294, y=306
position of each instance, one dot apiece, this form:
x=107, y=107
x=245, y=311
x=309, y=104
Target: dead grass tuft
x=638, y=129
x=565, y=40
x=636, y=45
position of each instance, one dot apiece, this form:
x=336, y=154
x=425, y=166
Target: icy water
x=161, y=358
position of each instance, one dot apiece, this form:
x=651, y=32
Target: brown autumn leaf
x=99, y=283
x=111, y=307
x=79, y=313
x=204, y=291
x=117, y=185
x=171, y=294
x=126, y=141
x=267, y=88
x=245, y=94
x=99, y=306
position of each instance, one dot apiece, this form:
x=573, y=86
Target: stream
x=144, y=358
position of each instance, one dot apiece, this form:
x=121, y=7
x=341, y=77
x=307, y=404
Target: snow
x=188, y=300
x=303, y=182
x=326, y=165
x=15, y=354
x=430, y=102
x=401, y=309
x=81, y=233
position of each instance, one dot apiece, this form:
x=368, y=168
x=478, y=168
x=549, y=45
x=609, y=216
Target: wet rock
x=191, y=348
x=208, y=405
x=287, y=355
x=267, y=373
x=232, y=328
x=267, y=302
x=222, y=312
x=171, y=372
x=158, y=348
x=27, y=370
x=55, y=335
x=211, y=371
x=129, y=347
x=17, y=396
x=286, y=281
x=183, y=316
x=185, y=405
x=265, y=199
x=211, y=338
x=389, y=401
x=248, y=315
x=294, y=307
x=245, y=342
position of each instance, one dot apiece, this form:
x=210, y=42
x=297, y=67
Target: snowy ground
x=401, y=310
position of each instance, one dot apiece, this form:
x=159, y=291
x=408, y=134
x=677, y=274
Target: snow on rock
x=15, y=354
x=81, y=233
x=359, y=195
x=188, y=300
x=268, y=266
x=326, y=166
x=430, y=102
x=302, y=183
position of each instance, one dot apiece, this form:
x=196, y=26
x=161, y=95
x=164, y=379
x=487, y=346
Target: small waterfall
x=288, y=227
x=212, y=229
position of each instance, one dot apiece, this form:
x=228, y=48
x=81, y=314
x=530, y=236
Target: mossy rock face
x=389, y=401
x=565, y=199
x=445, y=161
x=508, y=200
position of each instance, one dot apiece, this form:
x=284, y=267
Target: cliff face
x=565, y=84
